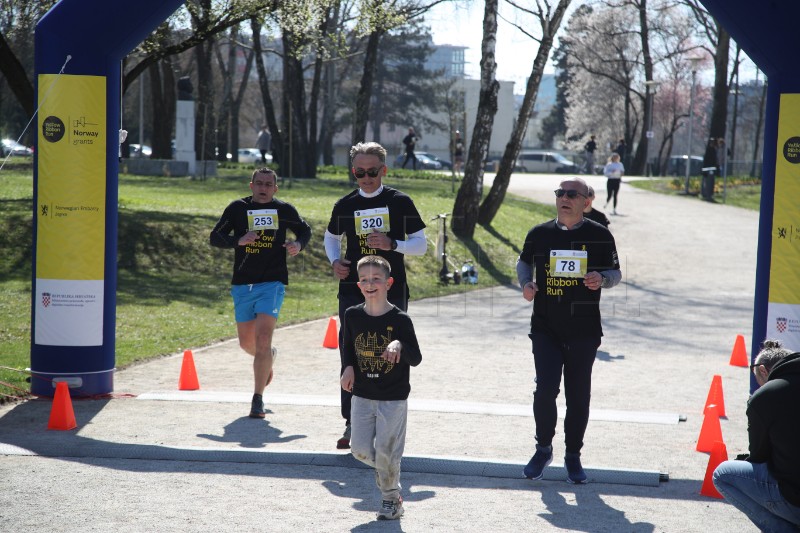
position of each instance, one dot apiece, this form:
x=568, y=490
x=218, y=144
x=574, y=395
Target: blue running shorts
x=266, y=298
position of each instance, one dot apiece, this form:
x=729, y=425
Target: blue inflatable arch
x=767, y=31
x=79, y=48
x=80, y=45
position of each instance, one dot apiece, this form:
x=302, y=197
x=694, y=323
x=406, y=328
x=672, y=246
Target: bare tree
x=549, y=22
x=465, y=209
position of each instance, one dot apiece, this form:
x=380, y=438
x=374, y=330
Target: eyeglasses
x=371, y=172
x=571, y=193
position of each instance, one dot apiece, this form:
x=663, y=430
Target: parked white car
x=12, y=147
x=545, y=161
x=252, y=156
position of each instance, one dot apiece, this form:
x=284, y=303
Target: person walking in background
x=255, y=227
x=376, y=220
x=613, y=171
x=723, y=153
x=564, y=264
x=593, y=214
x=765, y=485
x=589, y=148
x=621, y=149
x=410, y=142
x=458, y=152
x=264, y=143
x=379, y=348
x=710, y=165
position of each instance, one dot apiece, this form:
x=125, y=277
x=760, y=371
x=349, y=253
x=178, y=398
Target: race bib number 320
x=262, y=219
x=371, y=220
x=568, y=263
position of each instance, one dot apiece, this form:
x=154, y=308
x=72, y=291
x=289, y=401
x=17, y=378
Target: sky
x=461, y=23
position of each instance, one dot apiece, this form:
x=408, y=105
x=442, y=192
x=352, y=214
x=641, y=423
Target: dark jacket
x=773, y=425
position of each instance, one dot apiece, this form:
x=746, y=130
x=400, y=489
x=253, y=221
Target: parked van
x=545, y=161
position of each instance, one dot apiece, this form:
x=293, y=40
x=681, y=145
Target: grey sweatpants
x=378, y=439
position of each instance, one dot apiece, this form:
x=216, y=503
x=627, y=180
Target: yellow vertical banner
x=783, y=312
x=70, y=212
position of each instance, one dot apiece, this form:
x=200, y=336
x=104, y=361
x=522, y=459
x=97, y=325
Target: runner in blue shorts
x=255, y=227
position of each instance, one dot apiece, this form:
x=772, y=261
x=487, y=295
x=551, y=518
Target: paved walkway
x=159, y=459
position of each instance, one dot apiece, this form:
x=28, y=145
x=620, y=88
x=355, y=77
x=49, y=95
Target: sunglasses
x=371, y=172
x=570, y=193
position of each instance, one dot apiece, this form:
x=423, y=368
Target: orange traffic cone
x=718, y=455
x=62, y=417
x=711, y=431
x=715, y=396
x=332, y=335
x=739, y=354
x=188, y=378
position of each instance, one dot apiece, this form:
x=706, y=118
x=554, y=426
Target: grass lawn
x=173, y=286
x=739, y=191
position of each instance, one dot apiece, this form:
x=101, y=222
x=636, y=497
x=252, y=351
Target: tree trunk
x=640, y=159
x=162, y=91
x=294, y=112
x=465, y=209
x=266, y=98
x=205, y=134
x=491, y=204
x=361, y=115
x=719, y=109
x=236, y=105
x=16, y=77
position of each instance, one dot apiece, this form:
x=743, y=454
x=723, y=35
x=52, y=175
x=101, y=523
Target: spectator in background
x=410, y=141
x=710, y=165
x=590, y=148
x=621, y=149
x=458, y=152
x=722, y=157
x=264, y=143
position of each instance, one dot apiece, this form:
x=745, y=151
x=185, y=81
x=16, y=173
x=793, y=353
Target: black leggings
x=613, y=188
x=575, y=359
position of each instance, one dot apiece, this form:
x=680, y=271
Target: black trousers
x=345, y=301
x=574, y=358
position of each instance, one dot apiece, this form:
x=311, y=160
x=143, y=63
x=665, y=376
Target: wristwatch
x=394, y=244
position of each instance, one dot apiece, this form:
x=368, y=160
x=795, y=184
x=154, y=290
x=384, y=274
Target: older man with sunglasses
x=376, y=220
x=564, y=264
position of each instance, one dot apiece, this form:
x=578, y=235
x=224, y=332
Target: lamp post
x=651, y=89
x=693, y=61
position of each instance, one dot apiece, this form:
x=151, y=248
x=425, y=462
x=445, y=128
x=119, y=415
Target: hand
x=341, y=268
x=292, y=247
x=529, y=290
x=392, y=352
x=593, y=281
x=348, y=377
x=379, y=241
x=248, y=238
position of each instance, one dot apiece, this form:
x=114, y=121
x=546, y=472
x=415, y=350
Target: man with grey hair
x=765, y=485
x=564, y=264
x=376, y=220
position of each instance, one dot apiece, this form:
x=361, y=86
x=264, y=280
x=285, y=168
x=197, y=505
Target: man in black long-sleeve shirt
x=255, y=226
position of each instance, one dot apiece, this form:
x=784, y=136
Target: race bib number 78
x=568, y=263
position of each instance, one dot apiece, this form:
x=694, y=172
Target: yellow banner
x=71, y=189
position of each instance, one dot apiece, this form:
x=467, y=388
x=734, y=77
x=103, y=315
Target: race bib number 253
x=262, y=219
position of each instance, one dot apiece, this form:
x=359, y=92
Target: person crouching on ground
x=765, y=486
x=379, y=348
